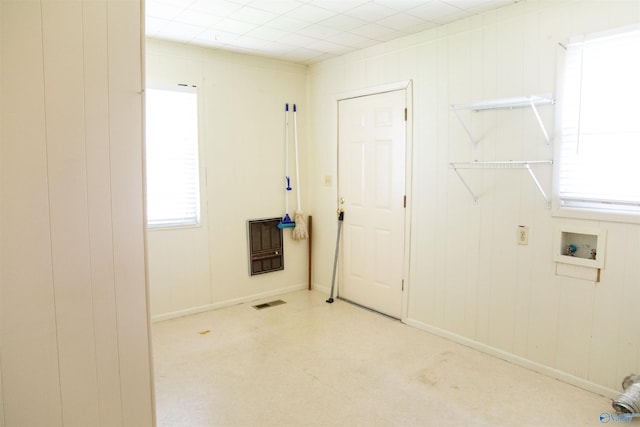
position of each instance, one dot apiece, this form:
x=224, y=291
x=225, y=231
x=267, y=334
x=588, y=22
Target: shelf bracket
x=544, y=130
x=473, y=195
x=535, y=180
x=464, y=126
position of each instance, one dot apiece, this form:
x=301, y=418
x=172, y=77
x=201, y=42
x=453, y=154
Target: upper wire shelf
x=506, y=103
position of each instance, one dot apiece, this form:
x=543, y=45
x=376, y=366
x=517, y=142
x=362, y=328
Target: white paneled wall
x=74, y=318
x=468, y=279
x=241, y=104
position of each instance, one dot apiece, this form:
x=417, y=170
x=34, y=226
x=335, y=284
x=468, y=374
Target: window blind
x=173, y=191
x=600, y=126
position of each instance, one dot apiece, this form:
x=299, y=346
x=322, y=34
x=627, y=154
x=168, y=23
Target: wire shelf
x=509, y=164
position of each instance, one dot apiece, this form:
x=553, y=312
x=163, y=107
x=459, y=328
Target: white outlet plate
x=523, y=235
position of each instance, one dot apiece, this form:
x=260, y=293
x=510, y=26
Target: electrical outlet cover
x=523, y=235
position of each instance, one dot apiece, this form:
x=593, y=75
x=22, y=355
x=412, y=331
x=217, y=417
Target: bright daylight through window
x=172, y=157
x=599, y=153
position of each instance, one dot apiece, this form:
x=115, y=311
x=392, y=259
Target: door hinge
x=405, y=114
x=404, y=202
x=403, y=285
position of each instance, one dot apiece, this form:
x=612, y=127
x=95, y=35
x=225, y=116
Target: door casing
x=407, y=86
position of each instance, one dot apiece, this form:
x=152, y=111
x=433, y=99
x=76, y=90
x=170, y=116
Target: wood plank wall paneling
x=73, y=307
x=125, y=96
x=67, y=184
x=2, y=423
x=468, y=278
x=29, y=335
x=204, y=267
x=97, y=133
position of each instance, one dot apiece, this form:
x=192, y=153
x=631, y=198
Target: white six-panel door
x=371, y=190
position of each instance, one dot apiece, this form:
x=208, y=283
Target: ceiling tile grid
x=303, y=31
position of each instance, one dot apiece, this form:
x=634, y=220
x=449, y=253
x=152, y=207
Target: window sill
x=593, y=214
x=173, y=227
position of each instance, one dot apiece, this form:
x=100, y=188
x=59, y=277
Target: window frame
x=180, y=87
x=587, y=213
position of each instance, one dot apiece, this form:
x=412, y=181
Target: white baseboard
x=517, y=360
x=227, y=303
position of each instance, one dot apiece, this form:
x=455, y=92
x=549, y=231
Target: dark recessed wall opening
x=266, y=249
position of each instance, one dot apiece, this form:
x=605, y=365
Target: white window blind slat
x=173, y=190
x=600, y=132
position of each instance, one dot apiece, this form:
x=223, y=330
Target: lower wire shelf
x=509, y=164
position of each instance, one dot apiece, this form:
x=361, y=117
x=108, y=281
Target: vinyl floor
x=309, y=363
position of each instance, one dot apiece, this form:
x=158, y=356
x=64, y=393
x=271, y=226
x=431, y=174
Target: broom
x=286, y=220
x=300, y=231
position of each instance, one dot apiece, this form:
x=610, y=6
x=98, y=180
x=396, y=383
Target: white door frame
x=407, y=86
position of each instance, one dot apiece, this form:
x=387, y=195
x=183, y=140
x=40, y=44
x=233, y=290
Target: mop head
x=300, y=231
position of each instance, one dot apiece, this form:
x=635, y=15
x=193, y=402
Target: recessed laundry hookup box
x=582, y=246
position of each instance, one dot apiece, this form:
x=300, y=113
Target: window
x=173, y=191
x=599, y=151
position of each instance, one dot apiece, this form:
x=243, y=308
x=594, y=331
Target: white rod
x=544, y=131
x=295, y=139
x=508, y=164
x=535, y=180
x=501, y=103
x=464, y=125
x=475, y=198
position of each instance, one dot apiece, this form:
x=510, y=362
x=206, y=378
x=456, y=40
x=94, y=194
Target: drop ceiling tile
x=438, y=11
x=253, y=15
x=303, y=54
x=477, y=5
x=184, y=4
x=286, y=23
x=375, y=32
x=278, y=48
x=200, y=18
x=233, y=26
x=216, y=38
x=310, y=13
x=401, y=21
x=328, y=47
x=267, y=33
x=370, y=12
x=424, y=26
x=296, y=39
x=153, y=25
x=250, y=42
x=340, y=6
x=354, y=41
x=222, y=8
x=181, y=32
x=343, y=22
x=163, y=10
x=240, y=2
x=404, y=5
x=279, y=7
x=318, y=31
